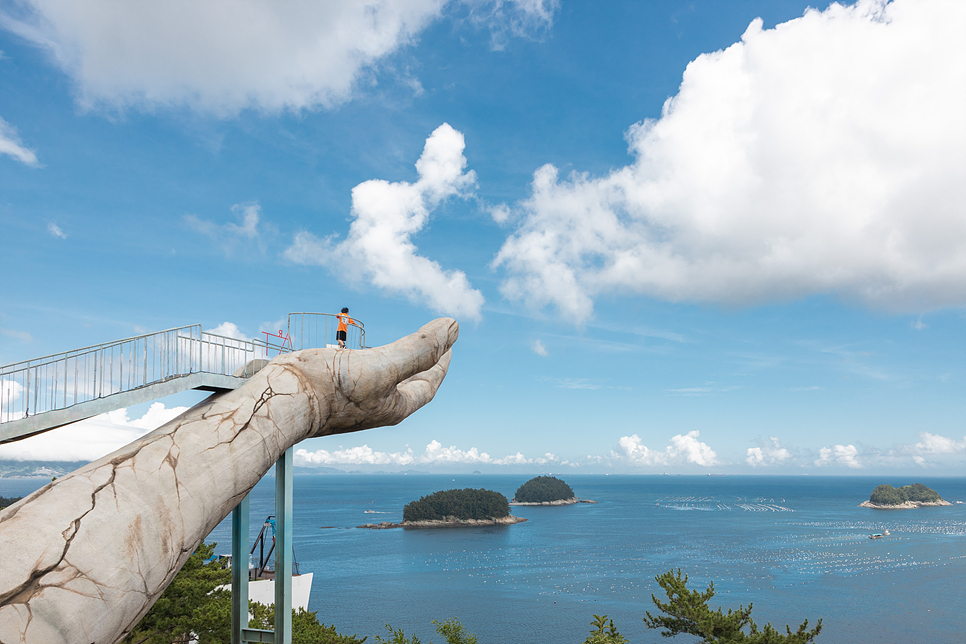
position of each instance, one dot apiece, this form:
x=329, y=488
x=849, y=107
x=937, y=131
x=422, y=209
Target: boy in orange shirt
x=344, y=321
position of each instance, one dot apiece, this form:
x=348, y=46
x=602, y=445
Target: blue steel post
x=239, y=570
x=283, y=548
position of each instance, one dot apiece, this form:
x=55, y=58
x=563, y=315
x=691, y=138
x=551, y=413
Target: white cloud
x=935, y=444
x=10, y=391
x=822, y=156
x=506, y=18
x=839, y=455
x=434, y=454
x=90, y=439
x=231, y=235
x=11, y=145
x=500, y=214
x=55, y=230
x=220, y=57
x=362, y=455
x=229, y=330
x=23, y=336
x=688, y=447
x=683, y=449
x=768, y=454
x=224, y=57
x=572, y=383
x=633, y=449
x=538, y=348
x=387, y=215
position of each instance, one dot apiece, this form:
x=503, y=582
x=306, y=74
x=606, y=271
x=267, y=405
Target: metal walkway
x=45, y=393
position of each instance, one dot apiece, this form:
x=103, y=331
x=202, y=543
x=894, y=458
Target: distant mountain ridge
x=47, y=469
x=36, y=469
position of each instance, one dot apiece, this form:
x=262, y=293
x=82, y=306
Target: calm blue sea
x=797, y=547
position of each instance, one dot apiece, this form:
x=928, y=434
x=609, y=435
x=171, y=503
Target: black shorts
x=340, y=335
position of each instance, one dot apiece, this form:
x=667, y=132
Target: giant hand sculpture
x=85, y=557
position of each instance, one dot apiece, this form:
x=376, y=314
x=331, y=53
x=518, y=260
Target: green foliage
x=543, y=488
x=919, y=493
x=451, y=629
x=190, y=604
x=888, y=495
x=397, y=637
x=686, y=611
x=306, y=628
x=192, y=609
x=5, y=502
x=604, y=632
x=462, y=504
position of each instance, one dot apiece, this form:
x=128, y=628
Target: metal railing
x=62, y=380
x=308, y=330
x=65, y=379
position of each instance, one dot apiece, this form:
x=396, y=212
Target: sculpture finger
x=422, y=350
x=417, y=391
x=404, y=399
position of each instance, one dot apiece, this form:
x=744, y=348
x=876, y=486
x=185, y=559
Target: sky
x=683, y=237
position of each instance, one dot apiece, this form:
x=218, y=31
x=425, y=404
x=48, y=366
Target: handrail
x=7, y=367
x=308, y=330
x=61, y=380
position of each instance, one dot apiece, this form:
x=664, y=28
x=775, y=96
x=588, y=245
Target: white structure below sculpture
x=86, y=556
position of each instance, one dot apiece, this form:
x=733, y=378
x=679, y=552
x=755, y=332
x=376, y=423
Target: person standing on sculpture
x=344, y=322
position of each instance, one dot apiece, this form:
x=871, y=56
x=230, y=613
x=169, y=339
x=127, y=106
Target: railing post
x=283, y=548
x=239, y=570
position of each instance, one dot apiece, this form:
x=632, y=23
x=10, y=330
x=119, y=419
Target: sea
x=797, y=547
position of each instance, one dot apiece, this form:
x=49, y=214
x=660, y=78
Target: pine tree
x=686, y=611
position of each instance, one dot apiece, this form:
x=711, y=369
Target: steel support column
x=283, y=548
x=239, y=570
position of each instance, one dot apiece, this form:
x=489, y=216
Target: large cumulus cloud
x=380, y=247
x=223, y=56
x=825, y=155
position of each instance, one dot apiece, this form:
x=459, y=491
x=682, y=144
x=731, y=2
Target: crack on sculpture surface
x=165, y=498
x=14, y=596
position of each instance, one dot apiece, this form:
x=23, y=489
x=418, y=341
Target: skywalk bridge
x=56, y=390
x=49, y=392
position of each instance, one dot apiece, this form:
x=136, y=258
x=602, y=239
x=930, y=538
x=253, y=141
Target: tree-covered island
x=886, y=497
x=545, y=490
x=454, y=508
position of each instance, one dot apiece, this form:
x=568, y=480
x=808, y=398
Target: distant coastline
x=907, y=505
x=450, y=522
x=570, y=501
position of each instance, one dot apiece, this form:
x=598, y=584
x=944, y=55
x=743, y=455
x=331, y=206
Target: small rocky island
x=545, y=490
x=454, y=509
x=907, y=497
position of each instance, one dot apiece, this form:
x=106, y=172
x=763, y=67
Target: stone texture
x=86, y=556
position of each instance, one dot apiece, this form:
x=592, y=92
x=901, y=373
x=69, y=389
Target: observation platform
x=56, y=390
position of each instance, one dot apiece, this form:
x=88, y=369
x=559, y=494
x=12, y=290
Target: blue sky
x=679, y=236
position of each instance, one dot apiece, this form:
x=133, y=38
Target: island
x=917, y=495
x=546, y=490
x=453, y=509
